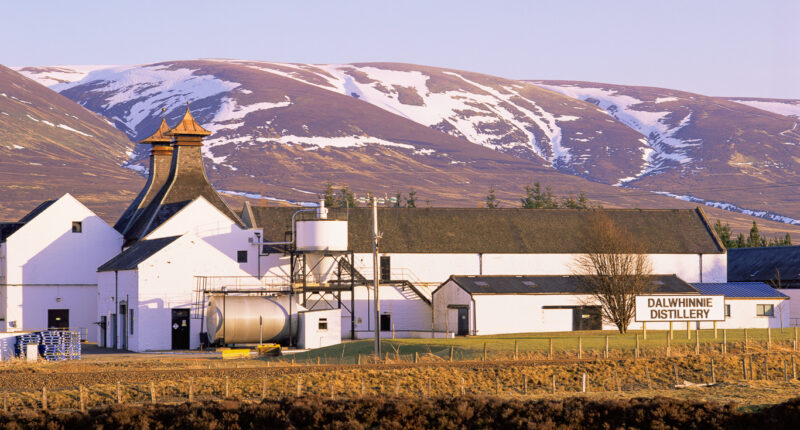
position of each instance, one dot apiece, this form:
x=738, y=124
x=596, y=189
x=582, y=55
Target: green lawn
x=537, y=345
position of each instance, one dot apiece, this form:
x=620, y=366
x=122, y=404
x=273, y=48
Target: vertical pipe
x=375, y=281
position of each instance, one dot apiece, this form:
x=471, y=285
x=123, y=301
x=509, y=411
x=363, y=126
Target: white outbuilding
x=48, y=262
x=749, y=305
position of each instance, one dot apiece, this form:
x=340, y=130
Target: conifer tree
x=491, y=199
x=411, y=201
x=787, y=240
x=398, y=200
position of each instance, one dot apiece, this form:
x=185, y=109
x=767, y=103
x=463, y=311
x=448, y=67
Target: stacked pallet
x=54, y=345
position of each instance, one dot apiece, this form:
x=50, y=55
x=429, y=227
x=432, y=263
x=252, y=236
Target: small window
x=130, y=311
x=765, y=310
x=241, y=256
x=323, y=324
x=727, y=310
x=77, y=227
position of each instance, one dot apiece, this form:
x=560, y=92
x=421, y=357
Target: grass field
x=564, y=344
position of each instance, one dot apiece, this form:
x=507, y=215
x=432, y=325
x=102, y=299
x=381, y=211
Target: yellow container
x=235, y=353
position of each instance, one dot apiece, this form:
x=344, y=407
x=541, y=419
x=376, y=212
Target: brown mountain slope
x=49, y=145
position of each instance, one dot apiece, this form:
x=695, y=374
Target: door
x=58, y=318
x=180, y=329
x=113, y=330
x=123, y=317
x=386, y=322
x=463, y=321
x=386, y=268
x=587, y=318
x=102, y=341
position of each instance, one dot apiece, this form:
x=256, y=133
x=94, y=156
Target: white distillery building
x=749, y=305
x=48, y=263
x=180, y=265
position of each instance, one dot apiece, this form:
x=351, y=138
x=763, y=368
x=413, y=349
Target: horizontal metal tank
x=236, y=318
x=321, y=235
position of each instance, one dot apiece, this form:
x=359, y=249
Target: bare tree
x=614, y=268
x=776, y=283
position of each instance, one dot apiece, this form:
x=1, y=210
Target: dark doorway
x=113, y=329
x=386, y=269
x=463, y=321
x=180, y=329
x=386, y=322
x=103, y=340
x=587, y=318
x=123, y=317
x=58, y=318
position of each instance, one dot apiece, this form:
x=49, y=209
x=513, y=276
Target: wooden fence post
x=333, y=392
x=785, y=371
x=462, y=390
x=228, y=386
x=396, y=388
x=745, y=342
x=191, y=390
x=794, y=342
x=713, y=375
x=580, y=347
x=744, y=368
x=766, y=369
x=636, y=350
x=644, y=330
x=484, y=351
x=750, y=365
x=688, y=330
x=416, y=357
x=724, y=341
x=300, y=387
x=264, y=388
x=675, y=372
x=605, y=353
x=794, y=369
x=82, y=398
x=516, y=349
x=524, y=384
x=496, y=385
x=697, y=343
x=550, y=356
x=152, y=392
x=44, y=398
x=119, y=393
x=670, y=330
x=554, y=383
x=715, y=330
x=451, y=353
x=769, y=338
x=669, y=341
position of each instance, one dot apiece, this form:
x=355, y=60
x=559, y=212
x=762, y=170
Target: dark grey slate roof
x=548, y=284
x=739, y=290
x=36, y=211
x=523, y=231
x=130, y=258
x=8, y=228
x=765, y=265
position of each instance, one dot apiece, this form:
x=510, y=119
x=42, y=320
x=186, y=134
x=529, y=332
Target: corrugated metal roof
x=567, y=284
x=764, y=264
x=739, y=290
x=130, y=258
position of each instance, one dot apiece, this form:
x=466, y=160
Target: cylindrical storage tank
x=250, y=319
x=321, y=235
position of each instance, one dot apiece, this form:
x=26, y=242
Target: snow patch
x=733, y=208
x=269, y=198
x=68, y=128
x=788, y=108
x=665, y=99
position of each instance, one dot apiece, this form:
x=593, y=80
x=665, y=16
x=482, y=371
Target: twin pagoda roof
x=177, y=177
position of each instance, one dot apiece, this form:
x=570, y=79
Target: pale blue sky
x=728, y=48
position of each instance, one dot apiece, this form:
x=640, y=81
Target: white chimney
x=322, y=211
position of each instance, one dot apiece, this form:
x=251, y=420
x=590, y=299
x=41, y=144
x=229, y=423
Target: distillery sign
x=680, y=308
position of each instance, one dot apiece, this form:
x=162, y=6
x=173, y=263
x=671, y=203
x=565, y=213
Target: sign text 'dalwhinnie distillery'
x=680, y=308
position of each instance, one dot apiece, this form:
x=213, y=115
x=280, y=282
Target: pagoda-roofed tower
x=160, y=161
x=187, y=180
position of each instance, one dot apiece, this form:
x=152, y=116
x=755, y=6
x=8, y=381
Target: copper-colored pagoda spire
x=188, y=127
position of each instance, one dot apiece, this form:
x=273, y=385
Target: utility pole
x=375, y=276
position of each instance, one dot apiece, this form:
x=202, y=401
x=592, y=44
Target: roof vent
x=481, y=283
x=529, y=283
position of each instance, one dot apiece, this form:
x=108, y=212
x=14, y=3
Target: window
x=323, y=324
x=765, y=310
x=130, y=311
x=77, y=227
x=727, y=310
x=386, y=268
x=241, y=256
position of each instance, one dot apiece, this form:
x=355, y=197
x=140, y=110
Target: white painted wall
x=794, y=305
x=408, y=312
x=310, y=336
x=163, y=282
x=743, y=314
x=44, y=256
x=202, y=219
